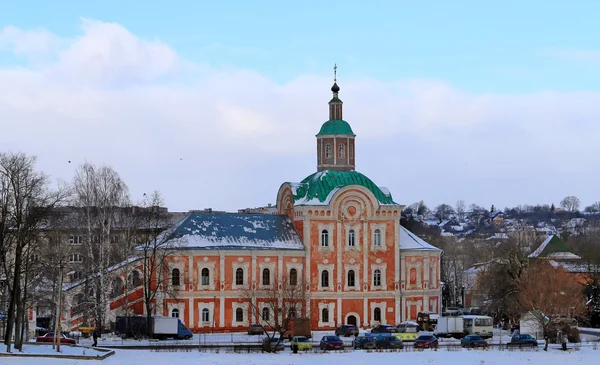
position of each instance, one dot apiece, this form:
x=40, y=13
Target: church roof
x=318, y=188
x=336, y=126
x=410, y=241
x=234, y=231
x=554, y=248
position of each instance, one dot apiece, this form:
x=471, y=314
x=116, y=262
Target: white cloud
x=27, y=42
x=228, y=138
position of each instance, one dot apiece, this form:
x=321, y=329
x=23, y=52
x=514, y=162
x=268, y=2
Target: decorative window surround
x=182, y=276
x=211, y=313
x=357, y=277
x=211, y=276
x=244, y=307
x=330, y=307
x=180, y=307
x=321, y=268
x=381, y=228
x=382, y=268
x=266, y=265
x=330, y=237
x=244, y=266
x=299, y=271
x=382, y=307
x=261, y=307
x=417, y=266
x=357, y=235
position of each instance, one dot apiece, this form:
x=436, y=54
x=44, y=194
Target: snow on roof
x=409, y=241
x=553, y=247
x=498, y=236
x=236, y=231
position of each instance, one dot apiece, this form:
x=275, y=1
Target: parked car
x=409, y=327
x=49, y=337
x=426, y=342
x=364, y=342
x=473, y=341
x=523, y=340
x=384, y=328
x=388, y=342
x=273, y=344
x=255, y=329
x=301, y=343
x=347, y=330
x=331, y=343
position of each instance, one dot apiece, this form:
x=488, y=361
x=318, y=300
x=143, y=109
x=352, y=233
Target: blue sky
x=508, y=46
x=489, y=103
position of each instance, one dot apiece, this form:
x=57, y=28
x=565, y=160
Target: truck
x=299, y=326
x=161, y=327
x=450, y=327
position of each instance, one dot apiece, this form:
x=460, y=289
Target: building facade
x=335, y=232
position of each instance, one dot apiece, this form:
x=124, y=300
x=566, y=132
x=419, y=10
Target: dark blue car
x=522, y=341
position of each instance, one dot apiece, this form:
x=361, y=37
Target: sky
x=216, y=104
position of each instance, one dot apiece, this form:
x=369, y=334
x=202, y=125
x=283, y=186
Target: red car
x=331, y=343
x=426, y=342
x=49, y=337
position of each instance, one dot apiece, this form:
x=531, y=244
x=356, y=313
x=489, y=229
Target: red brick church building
x=336, y=229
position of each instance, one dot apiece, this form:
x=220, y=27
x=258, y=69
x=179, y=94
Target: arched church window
x=327, y=150
x=342, y=150
x=324, y=238
x=351, y=238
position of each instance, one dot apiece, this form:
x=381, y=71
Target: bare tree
x=154, y=249
x=276, y=306
x=552, y=292
x=443, y=211
x=460, y=210
x=99, y=194
x=500, y=280
x=593, y=208
x=26, y=202
x=570, y=203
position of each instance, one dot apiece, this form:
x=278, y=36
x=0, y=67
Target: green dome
x=336, y=126
x=316, y=188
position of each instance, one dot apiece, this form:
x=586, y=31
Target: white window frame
x=381, y=267
x=171, y=269
x=356, y=268
x=266, y=265
x=331, y=312
x=299, y=271
x=342, y=151
x=75, y=240
x=245, y=266
x=329, y=268
x=211, y=313
x=75, y=258
x=180, y=307
x=180, y=266
x=357, y=235
x=383, y=308
x=328, y=150
x=244, y=307
x=211, y=278
x=382, y=246
x=330, y=237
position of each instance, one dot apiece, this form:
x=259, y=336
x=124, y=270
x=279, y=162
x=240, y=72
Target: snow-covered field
x=30, y=349
x=586, y=355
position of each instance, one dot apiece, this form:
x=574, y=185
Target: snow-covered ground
x=586, y=355
x=31, y=349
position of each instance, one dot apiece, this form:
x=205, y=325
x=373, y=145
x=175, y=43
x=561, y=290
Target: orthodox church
x=336, y=232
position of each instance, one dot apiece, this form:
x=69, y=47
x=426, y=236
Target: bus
x=479, y=325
